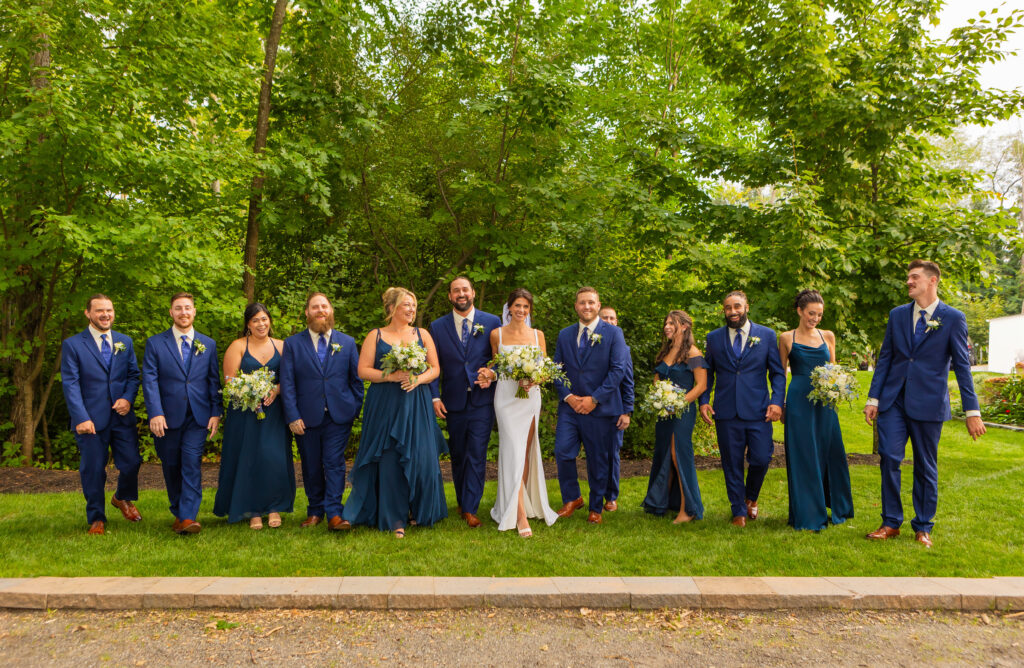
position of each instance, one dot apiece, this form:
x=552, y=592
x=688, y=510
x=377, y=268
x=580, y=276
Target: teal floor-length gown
x=816, y=467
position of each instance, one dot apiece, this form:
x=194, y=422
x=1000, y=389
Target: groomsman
x=100, y=378
x=609, y=315
x=909, y=397
x=181, y=386
x=466, y=399
x=742, y=357
x=594, y=354
x=322, y=396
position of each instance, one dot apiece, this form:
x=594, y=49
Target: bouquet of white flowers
x=665, y=400
x=832, y=383
x=527, y=363
x=246, y=391
x=411, y=357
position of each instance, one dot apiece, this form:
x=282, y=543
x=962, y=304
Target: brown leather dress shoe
x=883, y=533
x=739, y=521
x=127, y=508
x=571, y=507
x=338, y=524
x=611, y=506
x=751, y=509
x=311, y=521
x=176, y=525
x=472, y=520
x=594, y=518
x=188, y=527
x=97, y=528
x=924, y=538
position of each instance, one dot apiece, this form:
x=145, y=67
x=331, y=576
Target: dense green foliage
x=664, y=152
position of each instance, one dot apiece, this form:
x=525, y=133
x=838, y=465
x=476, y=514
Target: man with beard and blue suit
x=181, y=386
x=322, y=395
x=100, y=378
x=742, y=357
x=909, y=397
x=594, y=357
x=466, y=397
x=610, y=316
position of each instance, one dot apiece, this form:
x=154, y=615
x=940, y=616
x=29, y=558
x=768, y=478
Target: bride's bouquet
x=832, y=383
x=411, y=357
x=527, y=363
x=246, y=391
x=665, y=400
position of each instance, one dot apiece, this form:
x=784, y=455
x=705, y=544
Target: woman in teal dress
x=257, y=475
x=673, y=481
x=816, y=467
x=396, y=478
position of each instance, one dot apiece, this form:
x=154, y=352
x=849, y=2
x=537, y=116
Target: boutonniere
x=753, y=341
x=335, y=348
x=478, y=330
x=595, y=339
x=933, y=324
x=198, y=347
x=119, y=347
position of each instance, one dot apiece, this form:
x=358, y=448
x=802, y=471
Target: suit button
x=911, y=359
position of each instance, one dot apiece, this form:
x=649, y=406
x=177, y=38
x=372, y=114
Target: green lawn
x=977, y=533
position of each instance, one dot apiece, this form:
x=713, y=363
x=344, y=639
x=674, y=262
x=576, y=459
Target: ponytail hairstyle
x=805, y=297
x=391, y=298
x=680, y=319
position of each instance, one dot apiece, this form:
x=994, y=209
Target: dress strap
x=822, y=337
x=499, y=335
x=536, y=338
x=247, y=343
x=378, y=335
x=418, y=337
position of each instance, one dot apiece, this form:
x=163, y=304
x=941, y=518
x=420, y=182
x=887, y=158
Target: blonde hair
x=391, y=298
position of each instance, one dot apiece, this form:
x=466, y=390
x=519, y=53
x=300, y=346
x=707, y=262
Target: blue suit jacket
x=627, y=384
x=459, y=365
x=311, y=391
x=598, y=372
x=90, y=388
x=923, y=370
x=741, y=385
x=169, y=391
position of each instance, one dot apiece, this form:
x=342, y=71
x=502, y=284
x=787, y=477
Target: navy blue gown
x=396, y=476
x=663, y=485
x=816, y=467
x=257, y=474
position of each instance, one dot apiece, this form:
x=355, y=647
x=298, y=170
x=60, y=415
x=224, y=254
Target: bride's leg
x=682, y=516
x=522, y=522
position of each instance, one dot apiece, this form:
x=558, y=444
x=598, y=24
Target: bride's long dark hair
x=251, y=311
x=680, y=319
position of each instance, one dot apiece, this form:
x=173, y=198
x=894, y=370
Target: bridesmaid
x=673, y=481
x=396, y=478
x=257, y=475
x=816, y=467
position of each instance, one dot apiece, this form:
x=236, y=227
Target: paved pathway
x=737, y=593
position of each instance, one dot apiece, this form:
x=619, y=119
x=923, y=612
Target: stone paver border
x=380, y=593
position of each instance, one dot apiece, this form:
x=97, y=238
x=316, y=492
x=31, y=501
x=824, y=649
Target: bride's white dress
x=515, y=419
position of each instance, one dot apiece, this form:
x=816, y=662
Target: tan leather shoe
x=883, y=533
x=127, y=508
x=611, y=506
x=311, y=521
x=472, y=520
x=176, y=525
x=571, y=507
x=595, y=518
x=189, y=527
x=739, y=521
x=751, y=509
x=97, y=528
x=338, y=524
x=924, y=538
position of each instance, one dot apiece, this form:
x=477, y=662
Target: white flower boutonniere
x=119, y=347
x=335, y=348
x=753, y=341
x=198, y=348
x=595, y=339
x=478, y=330
x=933, y=324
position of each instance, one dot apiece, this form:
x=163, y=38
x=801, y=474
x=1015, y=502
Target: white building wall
x=1005, y=343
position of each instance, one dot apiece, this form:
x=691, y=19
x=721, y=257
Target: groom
x=909, y=396
x=466, y=400
x=594, y=357
x=741, y=357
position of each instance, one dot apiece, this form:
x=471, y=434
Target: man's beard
x=457, y=304
x=97, y=325
x=321, y=327
x=739, y=323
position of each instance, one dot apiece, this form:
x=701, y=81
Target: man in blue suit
x=322, y=396
x=742, y=357
x=181, y=385
x=594, y=357
x=466, y=399
x=100, y=377
x=909, y=396
x=610, y=316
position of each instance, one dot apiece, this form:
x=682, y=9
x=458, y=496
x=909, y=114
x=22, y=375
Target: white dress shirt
x=190, y=335
x=97, y=337
x=458, y=322
x=316, y=337
x=590, y=329
x=743, y=331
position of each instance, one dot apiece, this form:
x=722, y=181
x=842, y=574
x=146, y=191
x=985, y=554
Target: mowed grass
x=977, y=533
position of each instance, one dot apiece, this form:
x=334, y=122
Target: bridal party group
x=475, y=370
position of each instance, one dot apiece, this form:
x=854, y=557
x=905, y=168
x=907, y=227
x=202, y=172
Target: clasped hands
x=158, y=426
x=582, y=405
x=773, y=414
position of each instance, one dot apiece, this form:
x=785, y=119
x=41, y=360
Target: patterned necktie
x=737, y=342
x=105, y=350
x=465, y=332
x=321, y=349
x=584, y=340
x=922, y=325
x=186, y=352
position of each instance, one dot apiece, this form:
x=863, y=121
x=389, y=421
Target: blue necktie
x=465, y=332
x=105, y=350
x=321, y=349
x=921, y=326
x=584, y=341
x=737, y=343
x=186, y=352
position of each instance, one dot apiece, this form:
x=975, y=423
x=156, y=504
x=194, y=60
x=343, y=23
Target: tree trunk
x=252, y=233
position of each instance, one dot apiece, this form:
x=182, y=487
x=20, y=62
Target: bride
x=522, y=492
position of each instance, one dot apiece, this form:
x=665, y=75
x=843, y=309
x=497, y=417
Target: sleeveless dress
x=663, y=484
x=396, y=476
x=515, y=417
x=257, y=474
x=816, y=467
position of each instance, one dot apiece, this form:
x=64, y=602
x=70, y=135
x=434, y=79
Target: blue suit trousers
x=739, y=440
x=597, y=434
x=469, y=432
x=322, y=452
x=181, y=455
x=894, y=428
x=123, y=441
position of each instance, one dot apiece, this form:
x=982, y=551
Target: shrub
x=1004, y=400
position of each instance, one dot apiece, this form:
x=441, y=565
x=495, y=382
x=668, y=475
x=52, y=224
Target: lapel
x=330, y=350
x=449, y=327
x=936, y=315
x=90, y=343
x=727, y=344
x=174, y=350
x=589, y=347
x=307, y=343
x=746, y=345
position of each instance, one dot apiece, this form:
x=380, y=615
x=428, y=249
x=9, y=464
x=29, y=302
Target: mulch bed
x=36, y=481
